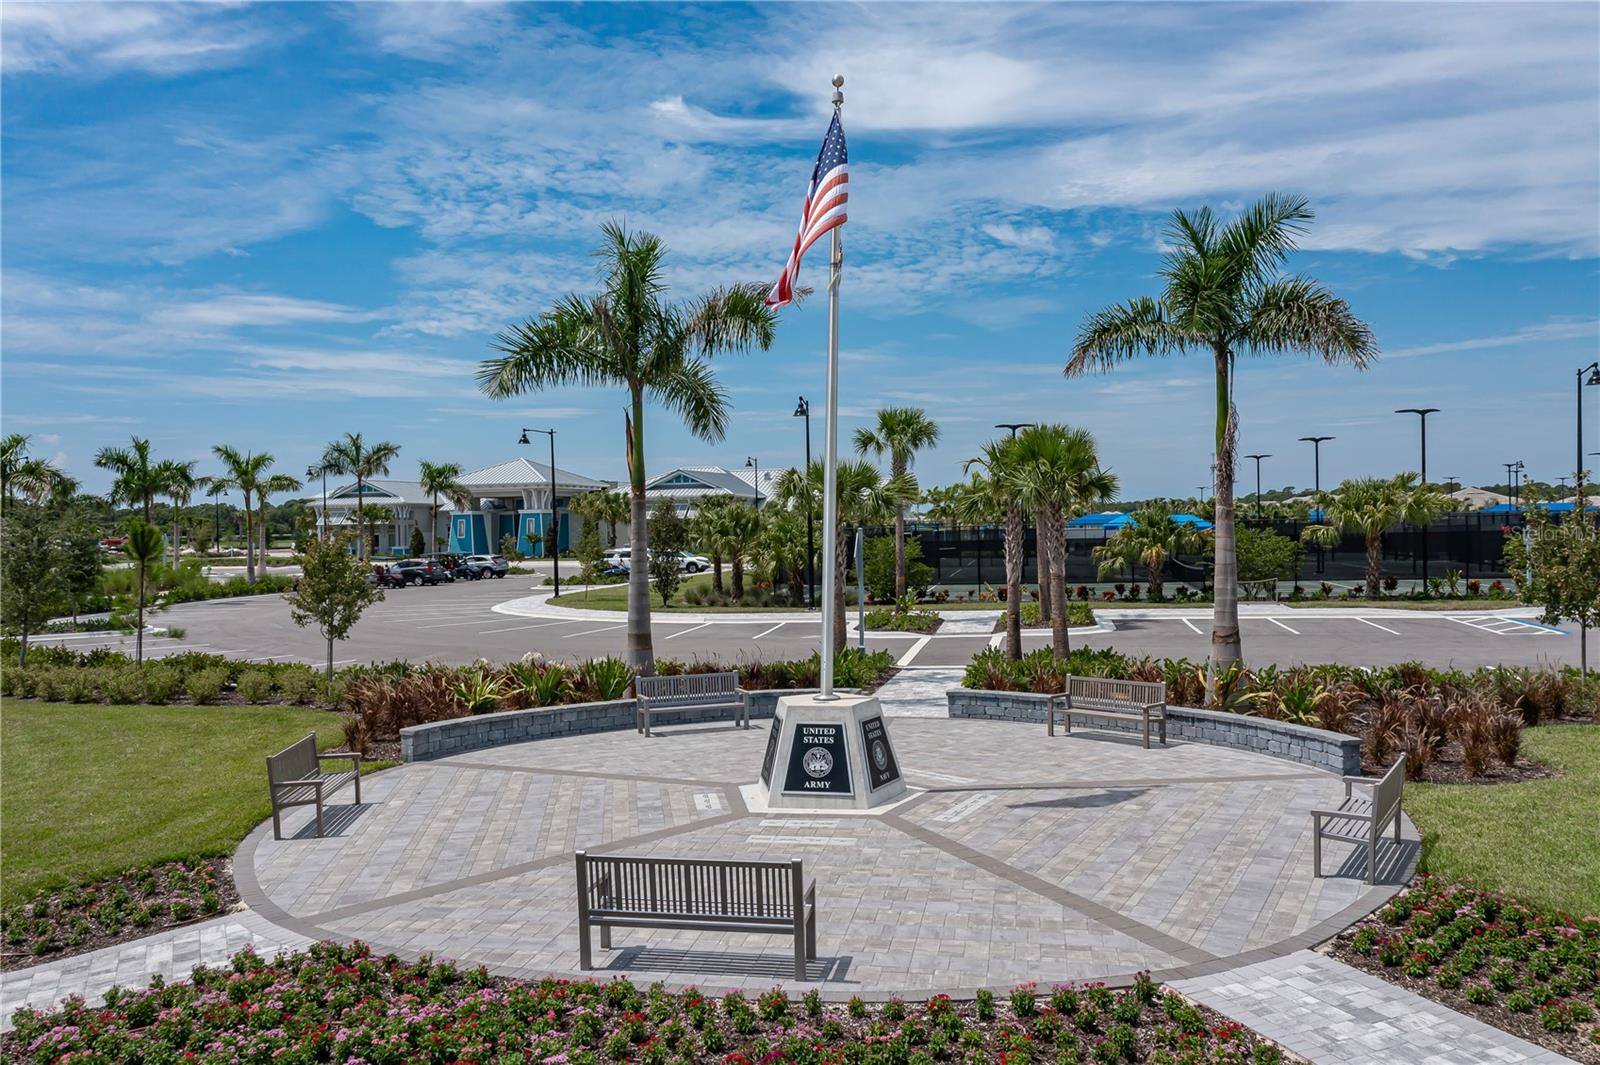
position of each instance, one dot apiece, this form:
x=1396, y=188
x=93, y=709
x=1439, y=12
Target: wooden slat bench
x=1361, y=820
x=615, y=891
x=690, y=691
x=1120, y=700
x=295, y=778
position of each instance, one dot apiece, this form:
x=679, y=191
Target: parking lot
x=504, y=619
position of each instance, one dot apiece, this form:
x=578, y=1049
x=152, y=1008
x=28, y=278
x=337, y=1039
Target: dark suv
x=419, y=571
x=480, y=566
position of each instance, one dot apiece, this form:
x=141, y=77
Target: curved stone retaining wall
x=439, y=739
x=1318, y=748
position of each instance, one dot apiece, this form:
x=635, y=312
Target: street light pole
x=1422, y=413
x=749, y=462
x=1258, y=459
x=1593, y=370
x=1014, y=426
x=803, y=410
x=1316, y=459
x=553, y=534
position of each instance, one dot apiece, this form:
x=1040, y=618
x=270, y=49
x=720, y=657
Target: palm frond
x=691, y=390
x=1258, y=241
x=1299, y=314
x=1124, y=331
x=735, y=318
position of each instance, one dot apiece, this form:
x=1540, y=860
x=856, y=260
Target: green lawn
x=1539, y=840
x=90, y=790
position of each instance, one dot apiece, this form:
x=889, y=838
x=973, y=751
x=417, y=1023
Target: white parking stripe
x=1192, y=629
x=519, y=628
x=1282, y=626
x=452, y=624
x=774, y=628
x=691, y=628
x=1375, y=625
x=591, y=632
x=916, y=649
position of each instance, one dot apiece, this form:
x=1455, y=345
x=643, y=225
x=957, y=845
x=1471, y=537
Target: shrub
x=161, y=684
x=604, y=679
x=256, y=685
x=299, y=685
x=123, y=685
x=206, y=685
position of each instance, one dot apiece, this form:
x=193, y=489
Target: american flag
x=825, y=208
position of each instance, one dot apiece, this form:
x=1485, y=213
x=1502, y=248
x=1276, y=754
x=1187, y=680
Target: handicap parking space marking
x=1375, y=625
x=1499, y=626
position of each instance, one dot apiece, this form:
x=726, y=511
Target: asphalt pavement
x=501, y=620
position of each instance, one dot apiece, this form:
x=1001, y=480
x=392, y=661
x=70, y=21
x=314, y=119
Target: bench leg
x=1050, y=719
x=1316, y=845
x=319, y=816
x=1147, y=732
x=1397, y=826
x=277, y=829
x=799, y=956
x=1163, y=729
x=1372, y=856
x=585, y=960
x=605, y=937
x=358, y=785
x=811, y=933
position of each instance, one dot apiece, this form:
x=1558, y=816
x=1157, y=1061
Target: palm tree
x=627, y=337
x=1153, y=537
x=612, y=508
x=178, y=482
x=900, y=432
x=439, y=479
x=1059, y=474
x=1370, y=506
x=245, y=472
x=1224, y=294
x=143, y=547
x=269, y=486
x=35, y=478
x=138, y=479
x=710, y=528
x=782, y=547
x=995, y=492
x=353, y=456
x=742, y=531
x=864, y=498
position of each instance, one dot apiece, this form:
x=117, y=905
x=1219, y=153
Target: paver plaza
x=1013, y=858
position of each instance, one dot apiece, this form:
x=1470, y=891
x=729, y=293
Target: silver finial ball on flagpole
x=838, y=81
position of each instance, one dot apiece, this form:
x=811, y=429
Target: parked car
x=419, y=571
x=617, y=556
x=481, y=566
x=384, y=577
x=690, y=562
x=614, y=571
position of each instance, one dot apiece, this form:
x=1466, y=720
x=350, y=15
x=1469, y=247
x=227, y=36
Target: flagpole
x=830, y=500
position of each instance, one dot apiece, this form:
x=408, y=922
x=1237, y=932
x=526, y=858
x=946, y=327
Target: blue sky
x=265, y=226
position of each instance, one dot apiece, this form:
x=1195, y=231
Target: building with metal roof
x=688, y=486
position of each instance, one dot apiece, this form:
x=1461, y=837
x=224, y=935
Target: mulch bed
x=1421, y=920
x=138, y=903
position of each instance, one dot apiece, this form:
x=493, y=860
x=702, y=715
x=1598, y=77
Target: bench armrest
x=318, y=781
x=1369, y=781
x=352, y=755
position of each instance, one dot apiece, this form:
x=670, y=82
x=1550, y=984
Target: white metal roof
x=520, y=472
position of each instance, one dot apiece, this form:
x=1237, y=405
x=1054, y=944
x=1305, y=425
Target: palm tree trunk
x=897, y=469
x=1374, y=564
x=1153, y=571
x=738, y=577
x=841, y=556
x=249, y=541
x=716, y=572
x=263, y=534
x=1013, y=552
x=641, y=653
x=433, y=524
x=361, y=524
x=1226, y=646
x=1054, y=548
x=174, y=536
x=1045, y=573
x=138, y=633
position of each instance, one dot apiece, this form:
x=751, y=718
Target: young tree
x=1370, y=506
x=335, y=588
x=628, y=337
x=142, y=548
x=419, y=543
x=1557, y=566
x=80, y=562
x=355, y=457
x=900, y=432
x=1266, y=556
x=1224, y=294
x=669, y=534
x=997, y=492
x=744, y=527
x=710, y=529
x=31, y=583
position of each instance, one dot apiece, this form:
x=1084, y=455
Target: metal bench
x=1359, y=820
x=690, y=691
x=1120, y=700
x=616, y=891
x=295, y=778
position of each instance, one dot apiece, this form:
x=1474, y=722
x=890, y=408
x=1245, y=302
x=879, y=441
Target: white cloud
x=105, y=38
x=234, y=310
x=1527, y=336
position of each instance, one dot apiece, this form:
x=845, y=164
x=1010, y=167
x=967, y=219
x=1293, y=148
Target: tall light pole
x=322, y=519
x=1258, y=459
x=1593, y=370
x=217, y=492
x=803, y=410
x=1316, y=460
x=553, y=534
x=1422, y=415
x=1014, y=426
x=751, y=462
